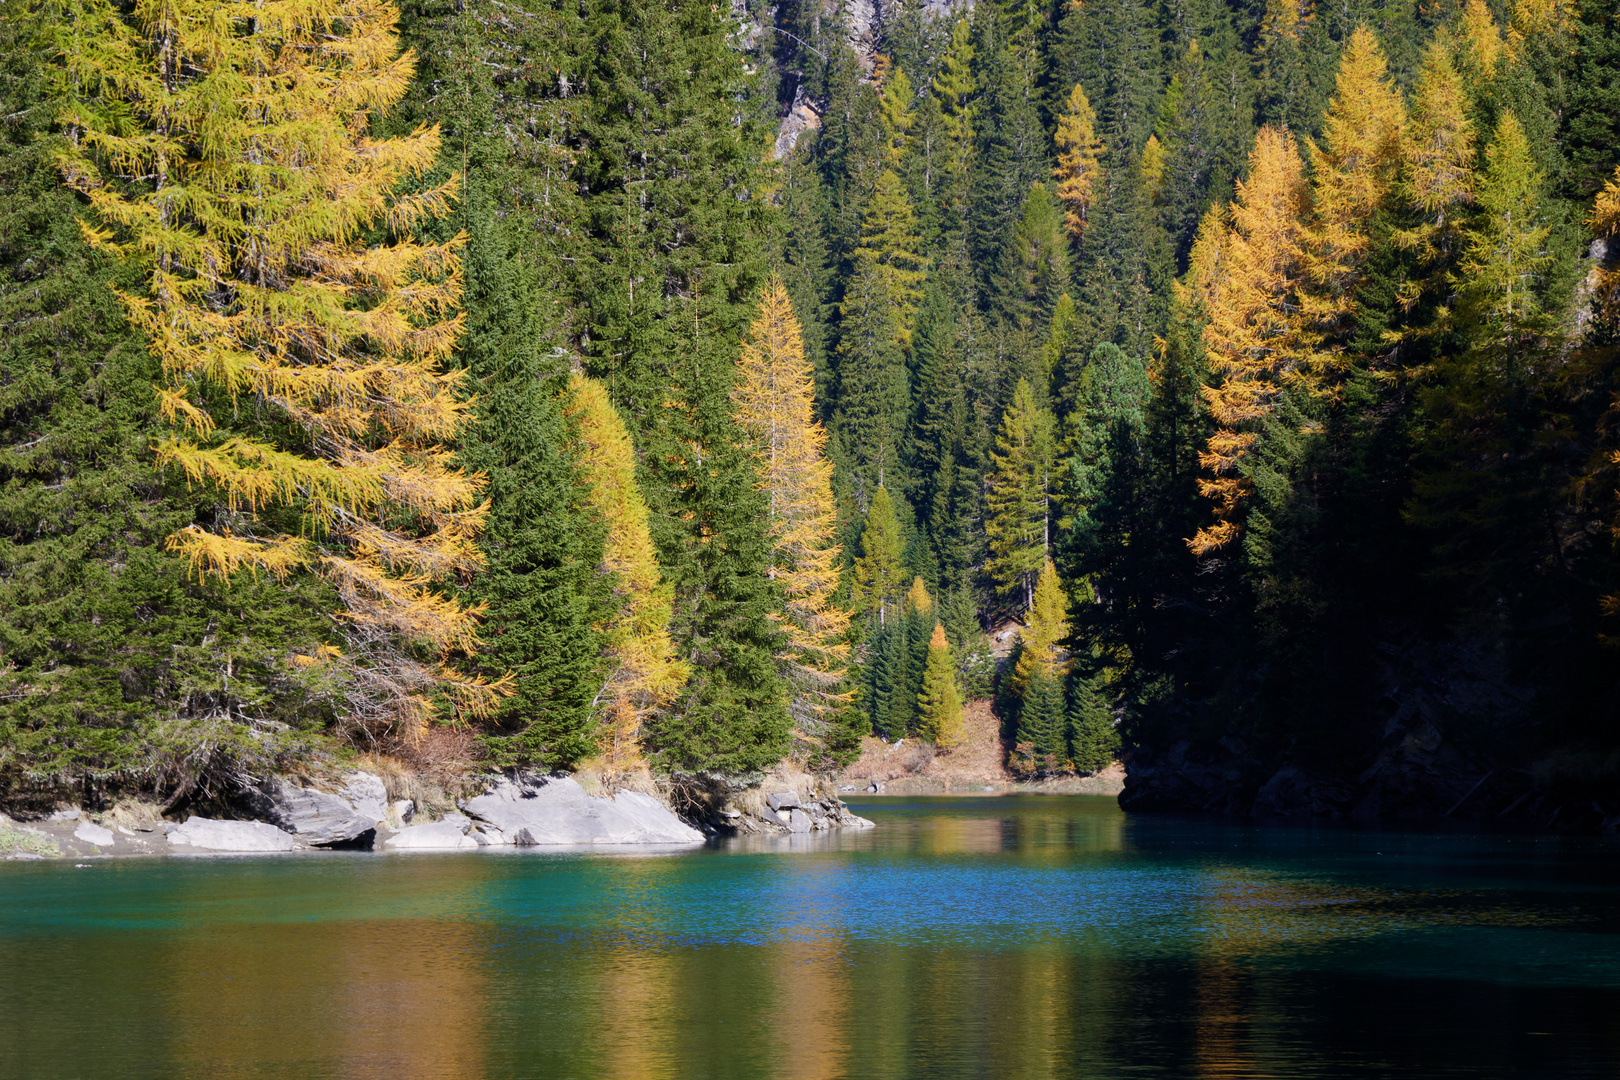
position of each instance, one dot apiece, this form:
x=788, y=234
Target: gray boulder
x=93, y=834
x=546, y=811
x=783, y=800
x=324, y=818
x=434, y=836
x=799, y=821
x=207, y=834
x=366, y=794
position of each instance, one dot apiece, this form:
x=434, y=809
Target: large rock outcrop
x=346, y=817
x=535, y=810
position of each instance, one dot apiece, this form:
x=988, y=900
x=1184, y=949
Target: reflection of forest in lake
x=1005, y=937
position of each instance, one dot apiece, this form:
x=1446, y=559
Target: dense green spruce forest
x=530, y=383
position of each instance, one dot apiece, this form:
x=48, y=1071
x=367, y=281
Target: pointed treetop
x=1507, y=253
x=1482, y=38
x=877, y=570
x=895, y=100
x=918, y=602
x=939, y=702
x=1440, y=139
x=1046, y=626
x=1077, y=170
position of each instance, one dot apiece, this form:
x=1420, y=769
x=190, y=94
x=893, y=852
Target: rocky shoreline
x=352, y=811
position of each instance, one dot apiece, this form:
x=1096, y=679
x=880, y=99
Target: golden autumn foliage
x=894, y=102
x=1604, y=280
x=918, y=602
x=939, y=702
x=1481, y=39
x=225, y=146
x=1354, y=173
x=1507, y=253
x=1438, y=181
x=1018, y=493
x=891, y=251
x=877, y=574
x=1250, y=287
x=1045, y=627
x=1079, y=152
x=1554, y=21
x=646, y=673
x=773, y=400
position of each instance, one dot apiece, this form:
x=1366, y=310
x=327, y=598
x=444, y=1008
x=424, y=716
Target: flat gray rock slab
x=557, y=811
x=94, y=834
x=782, y=800
x=434, y=836
x=207, y=834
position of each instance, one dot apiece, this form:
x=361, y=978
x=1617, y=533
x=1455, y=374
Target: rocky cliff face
x=862, y=23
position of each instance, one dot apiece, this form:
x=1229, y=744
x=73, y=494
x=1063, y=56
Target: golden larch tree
x=1354, y=173
x=1554, y=23
x=1438, y=181
x=226, y=147
x=1079, y=153
x=644, y=671
x=1482, y=44
x=773, y=400
x=1045, y=627
x=894, y=103
x=1507, y=254
x=1254, y=335
x=954, y=88
x=877, y=575
x=939, y=702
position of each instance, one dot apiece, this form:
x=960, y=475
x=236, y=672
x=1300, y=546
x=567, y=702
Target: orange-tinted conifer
x=1354, y=175
x=302, y=363
x=1254, y=336
x=645, y=672
x=773, y=399
x=1078, y=155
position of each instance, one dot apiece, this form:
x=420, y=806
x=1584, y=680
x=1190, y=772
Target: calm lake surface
x=1000, y=937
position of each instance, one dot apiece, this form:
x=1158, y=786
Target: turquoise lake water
x=999, y=937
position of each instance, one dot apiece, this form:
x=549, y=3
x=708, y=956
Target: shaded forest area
x=613, y=383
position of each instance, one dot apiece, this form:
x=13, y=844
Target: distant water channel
x=997, y=937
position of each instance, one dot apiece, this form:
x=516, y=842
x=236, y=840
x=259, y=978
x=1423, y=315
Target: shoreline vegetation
x=1216, y=403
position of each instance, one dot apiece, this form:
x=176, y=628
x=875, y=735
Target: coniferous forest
x=546, y=383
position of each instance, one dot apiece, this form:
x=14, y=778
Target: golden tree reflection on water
x=374, y=997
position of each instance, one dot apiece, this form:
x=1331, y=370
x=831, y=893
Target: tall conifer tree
x=1019, y=497
x=671, y=272
x=773, y=399
x=303, y=368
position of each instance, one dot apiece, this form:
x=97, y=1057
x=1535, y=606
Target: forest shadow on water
x=1017, y=936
